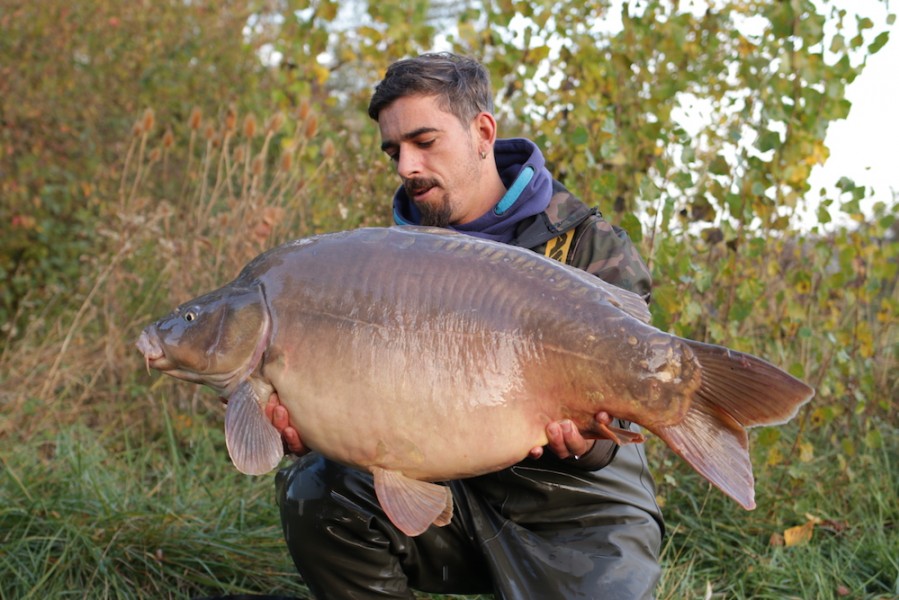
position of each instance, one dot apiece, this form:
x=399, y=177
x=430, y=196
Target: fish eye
x=190, y=315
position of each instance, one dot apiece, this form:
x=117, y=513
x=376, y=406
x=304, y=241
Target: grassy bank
x=124, y=514
x=129, y=513
x=823, y=529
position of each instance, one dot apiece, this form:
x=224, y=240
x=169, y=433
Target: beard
x=433, y=214
x=442, y=210
x=436, y=215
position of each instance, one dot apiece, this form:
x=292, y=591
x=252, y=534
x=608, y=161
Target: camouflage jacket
x=598, y=247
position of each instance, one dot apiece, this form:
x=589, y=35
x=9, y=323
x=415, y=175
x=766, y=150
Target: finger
x=536, y=452
x=292, y=441
x=281, y=421
x=273, y=402
x=572, y=438
x=280, y=418
x=555, y=433
x=575, y=443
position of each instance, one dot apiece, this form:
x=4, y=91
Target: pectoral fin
x=254, y=444
x=412, y=505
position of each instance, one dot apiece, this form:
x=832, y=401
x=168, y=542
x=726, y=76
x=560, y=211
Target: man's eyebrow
x=410, y=135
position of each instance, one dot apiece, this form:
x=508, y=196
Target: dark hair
x=461, y=84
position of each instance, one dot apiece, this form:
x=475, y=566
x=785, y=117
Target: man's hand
x=277, y=414
x=566, y=441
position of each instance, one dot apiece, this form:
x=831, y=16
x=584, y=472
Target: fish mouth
x=154, y=355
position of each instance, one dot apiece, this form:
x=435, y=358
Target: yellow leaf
x=327, y=10
x=321, y=73
x=806, y=452
x=618, y=160
x=799, y=535
x=775, y=457
x=818, y=155
x=796, y=174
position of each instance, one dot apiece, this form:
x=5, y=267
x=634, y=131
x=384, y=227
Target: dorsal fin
x=625, y=300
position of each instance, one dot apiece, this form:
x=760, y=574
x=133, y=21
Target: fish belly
x=434, y=409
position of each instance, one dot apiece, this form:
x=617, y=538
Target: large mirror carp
x=423, y=355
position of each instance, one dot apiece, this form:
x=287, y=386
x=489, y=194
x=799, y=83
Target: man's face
x=437, y=158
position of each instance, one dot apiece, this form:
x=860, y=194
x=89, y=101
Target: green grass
x=714, y=549
x=128, y=514
x=118, y=515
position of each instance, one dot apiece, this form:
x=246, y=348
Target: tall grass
x=115, y=482
x=182, y=221
x=130, y=515
x=714, y=549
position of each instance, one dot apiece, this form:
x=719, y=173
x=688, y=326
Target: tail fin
x=737, y=391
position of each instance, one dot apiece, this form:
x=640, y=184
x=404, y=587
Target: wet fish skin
x=423, y=355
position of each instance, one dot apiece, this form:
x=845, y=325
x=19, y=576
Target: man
x=577, y=521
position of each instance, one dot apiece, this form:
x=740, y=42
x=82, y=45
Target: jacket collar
x=529, y=189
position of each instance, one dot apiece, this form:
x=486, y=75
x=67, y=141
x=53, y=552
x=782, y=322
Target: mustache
x=419, y=184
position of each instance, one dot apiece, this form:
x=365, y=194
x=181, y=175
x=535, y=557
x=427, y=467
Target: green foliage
x=822, y=304
x=73, y=77
x=612, y=108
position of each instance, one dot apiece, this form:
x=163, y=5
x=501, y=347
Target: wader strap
x=559, y=247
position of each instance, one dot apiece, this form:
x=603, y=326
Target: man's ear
x=484, y=126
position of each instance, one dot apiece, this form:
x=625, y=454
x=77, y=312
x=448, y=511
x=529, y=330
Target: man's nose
x=409, y=163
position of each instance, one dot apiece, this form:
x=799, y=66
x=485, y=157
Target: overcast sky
x=865, y=146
